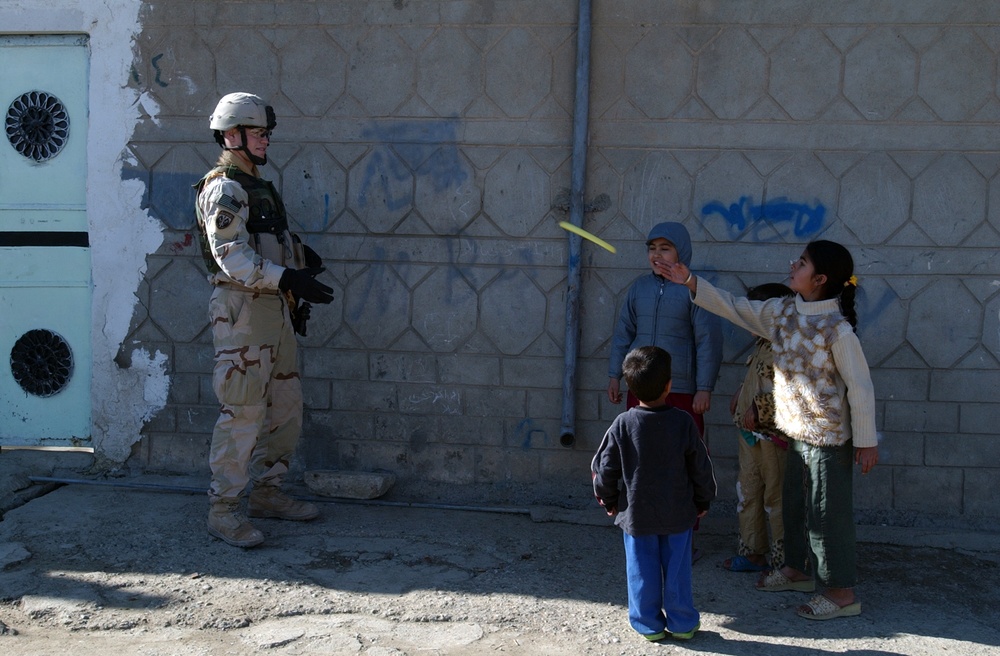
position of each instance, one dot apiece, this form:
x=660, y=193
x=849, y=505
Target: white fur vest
x=809, y=406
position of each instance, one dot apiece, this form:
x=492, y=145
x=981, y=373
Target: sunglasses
x=260, y=133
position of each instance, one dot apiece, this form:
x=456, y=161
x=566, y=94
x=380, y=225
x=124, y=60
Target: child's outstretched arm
x=754, y=316
x=680, y=274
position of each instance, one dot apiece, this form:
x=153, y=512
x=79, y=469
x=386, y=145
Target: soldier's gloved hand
x=303, y=283
x=300, y=318
x=312, y=257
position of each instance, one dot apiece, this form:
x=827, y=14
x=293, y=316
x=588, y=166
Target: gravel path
x=115, y=572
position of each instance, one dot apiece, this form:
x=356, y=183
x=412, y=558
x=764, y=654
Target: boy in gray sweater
x=653, y=474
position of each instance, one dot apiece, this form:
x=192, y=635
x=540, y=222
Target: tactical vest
x=265, y=209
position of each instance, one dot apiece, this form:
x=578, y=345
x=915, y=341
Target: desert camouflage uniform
x=256, y=376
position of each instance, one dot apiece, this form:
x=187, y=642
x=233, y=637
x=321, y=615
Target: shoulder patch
x=230, y=203
x=223, y=220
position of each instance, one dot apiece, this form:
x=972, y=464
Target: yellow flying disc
x=566, y=225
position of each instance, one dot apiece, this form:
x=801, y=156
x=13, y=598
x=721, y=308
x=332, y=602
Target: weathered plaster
x=121, y=232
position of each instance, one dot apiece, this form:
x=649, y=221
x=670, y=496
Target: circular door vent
x=37, y=125
x=41, y=362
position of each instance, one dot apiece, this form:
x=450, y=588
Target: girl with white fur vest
x=825, y=403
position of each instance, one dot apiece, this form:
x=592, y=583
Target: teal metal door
x=45, y=285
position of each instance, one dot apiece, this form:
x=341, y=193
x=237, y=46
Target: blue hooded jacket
x=657, y=312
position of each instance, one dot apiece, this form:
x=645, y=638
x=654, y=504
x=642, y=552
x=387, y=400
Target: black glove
x=300, y=317
x=312, y=257
x=303, y=284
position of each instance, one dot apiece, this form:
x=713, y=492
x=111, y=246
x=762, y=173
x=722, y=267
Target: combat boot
x=269, y=501
x=227, y=522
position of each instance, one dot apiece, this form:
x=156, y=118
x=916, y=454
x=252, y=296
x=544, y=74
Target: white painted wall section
x=121, y=232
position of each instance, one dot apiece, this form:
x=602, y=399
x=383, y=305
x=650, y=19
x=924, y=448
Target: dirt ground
x=113, y=571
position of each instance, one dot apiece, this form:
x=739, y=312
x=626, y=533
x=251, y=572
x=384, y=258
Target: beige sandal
x=822, y=607
x=775, y=581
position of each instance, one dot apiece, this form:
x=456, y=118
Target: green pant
x=256, y=380
x=819, y=513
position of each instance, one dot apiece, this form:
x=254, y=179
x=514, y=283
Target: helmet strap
x=259, y=161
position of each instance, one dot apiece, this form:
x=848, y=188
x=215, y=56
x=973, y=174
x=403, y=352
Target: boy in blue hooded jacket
x=657, y=312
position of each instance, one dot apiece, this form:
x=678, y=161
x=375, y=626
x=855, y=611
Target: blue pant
x=659, y=580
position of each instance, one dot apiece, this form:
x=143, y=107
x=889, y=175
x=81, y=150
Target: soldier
x=264, y=279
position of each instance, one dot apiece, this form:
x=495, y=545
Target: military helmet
x=244, y=109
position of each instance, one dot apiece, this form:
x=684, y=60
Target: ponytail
x=847, y=304
x=835, y=262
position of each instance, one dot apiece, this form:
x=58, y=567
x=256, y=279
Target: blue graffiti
x=381, y=169
x=528, y=432
x=806, y=221
x=374, y=294
x=870, y=309
x=156, y=65
x=429, y=148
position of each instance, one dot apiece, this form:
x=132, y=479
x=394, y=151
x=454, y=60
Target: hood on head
x=677, y=235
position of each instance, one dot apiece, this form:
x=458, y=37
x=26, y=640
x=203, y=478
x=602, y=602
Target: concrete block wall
x=422, y=148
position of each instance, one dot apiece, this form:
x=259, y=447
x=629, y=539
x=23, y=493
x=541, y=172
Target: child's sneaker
x=654, y=637
x=687, y=635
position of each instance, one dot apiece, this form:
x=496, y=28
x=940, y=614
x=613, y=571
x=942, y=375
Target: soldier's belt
x=249, y=290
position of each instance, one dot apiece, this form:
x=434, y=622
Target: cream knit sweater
x=822, y=386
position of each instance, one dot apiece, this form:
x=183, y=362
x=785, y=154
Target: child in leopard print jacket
x=762, y=453
x=825, y=404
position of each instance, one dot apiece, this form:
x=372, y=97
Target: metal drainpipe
x=581, y=111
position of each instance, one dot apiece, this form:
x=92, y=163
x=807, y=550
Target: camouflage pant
x=759, y=500
x=256, y=380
